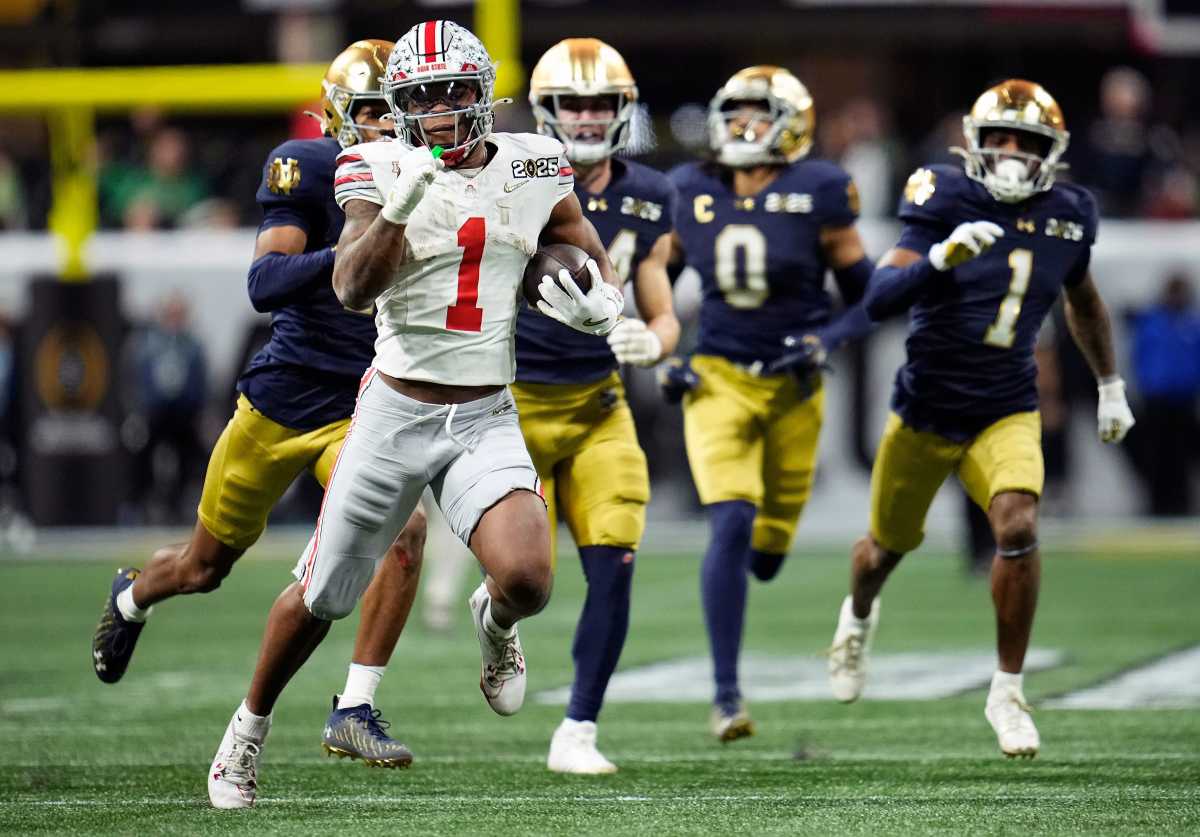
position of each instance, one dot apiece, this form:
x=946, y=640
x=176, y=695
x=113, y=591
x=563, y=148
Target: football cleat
x=233, y=776
x=1008, y=713
x=573, y=750
x=358, y=732
x=502, y=676
x=115, y=636
x=730, y=721
x=848, y=653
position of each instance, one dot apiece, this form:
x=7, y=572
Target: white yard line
x=1170, y=682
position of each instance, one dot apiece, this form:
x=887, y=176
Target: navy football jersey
x=307, y=375
x=632, y=213
x=972, y=333
x=760, y=260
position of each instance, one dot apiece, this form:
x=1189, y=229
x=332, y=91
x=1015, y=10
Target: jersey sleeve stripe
x=349, y=158
x=354, y=178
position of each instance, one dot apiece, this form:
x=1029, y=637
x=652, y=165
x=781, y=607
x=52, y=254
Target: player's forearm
x=367, y=267
x=892, y=290
x=275, y=279
x=852, y=324
x=1091, y=330
x=666, y=328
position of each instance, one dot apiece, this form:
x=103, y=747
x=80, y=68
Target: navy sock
x=603, y=624
x=765, y=565
x=723, y=589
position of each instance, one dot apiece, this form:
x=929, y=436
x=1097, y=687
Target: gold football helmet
x=789, y=111
x=1014, y=105
x=353, y=77
x=583, y=67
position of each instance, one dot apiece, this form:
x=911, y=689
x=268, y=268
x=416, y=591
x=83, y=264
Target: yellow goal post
x=70, y=99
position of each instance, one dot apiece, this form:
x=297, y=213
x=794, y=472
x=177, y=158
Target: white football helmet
x=426, y=63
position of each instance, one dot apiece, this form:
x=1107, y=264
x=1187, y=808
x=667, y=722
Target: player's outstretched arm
x=369, y=252
x=645, y=342
x=904, y=273
x=281, y=269
x=1091, y=329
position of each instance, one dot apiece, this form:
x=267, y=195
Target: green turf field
x=83, y=757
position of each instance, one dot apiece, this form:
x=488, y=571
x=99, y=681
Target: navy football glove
x=676, y=377
x=806, y=355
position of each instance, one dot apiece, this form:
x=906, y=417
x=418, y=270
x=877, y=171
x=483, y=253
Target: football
x=548, y=261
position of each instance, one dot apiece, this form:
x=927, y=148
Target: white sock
x=249, y=725
x=489, y=624
x=1004, y=680
x=361, y=683
x=130, y=612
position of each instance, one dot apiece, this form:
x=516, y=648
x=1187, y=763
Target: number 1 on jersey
x=465, y=314
x=1002, y=332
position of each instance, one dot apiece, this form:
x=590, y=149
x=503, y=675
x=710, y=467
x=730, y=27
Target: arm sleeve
x=851, y=324
x=893, y=289
x=276, y=279
x=1091, y=222
x=852, y=281
x=353, y=180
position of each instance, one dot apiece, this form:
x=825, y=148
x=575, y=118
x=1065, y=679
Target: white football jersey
x=450, y=316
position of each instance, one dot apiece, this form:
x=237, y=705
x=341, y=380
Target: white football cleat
x=573, y=750
x=848, y=653
x=502, y=675
x=1008, y=713
x=233, y=776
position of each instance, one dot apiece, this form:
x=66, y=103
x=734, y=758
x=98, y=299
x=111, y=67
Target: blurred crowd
x=156, y=173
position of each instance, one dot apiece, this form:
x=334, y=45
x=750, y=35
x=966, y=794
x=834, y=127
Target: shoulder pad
x=1080, y=202
x=932, y=193
x=298, y=170
x=537, y=145
x=684, y=174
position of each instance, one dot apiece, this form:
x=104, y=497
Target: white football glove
x=595, y=312
x=632, y=342
x=1113, y=416
x=965, y=243
x=418, y=168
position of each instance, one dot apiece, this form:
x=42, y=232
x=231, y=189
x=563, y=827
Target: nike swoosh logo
x=514, y=185
x=589, y=323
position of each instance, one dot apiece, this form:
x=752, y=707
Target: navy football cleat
x=112, y=644
x=358, y=732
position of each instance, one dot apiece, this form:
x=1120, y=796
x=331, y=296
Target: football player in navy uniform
x=762, y=223
x=573, y=411
x=294, y=405
x=984, y=253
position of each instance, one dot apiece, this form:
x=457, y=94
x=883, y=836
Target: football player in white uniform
x=438, y=242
